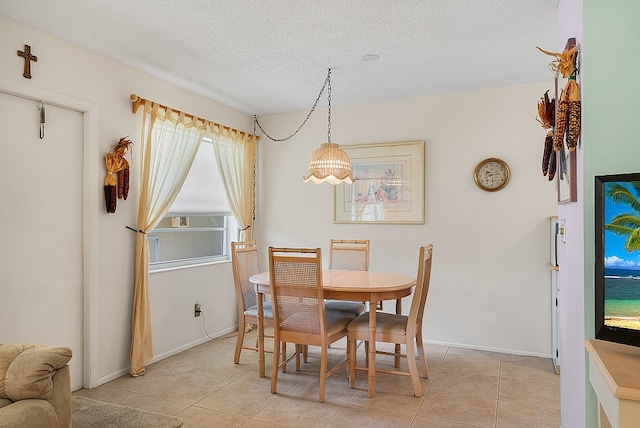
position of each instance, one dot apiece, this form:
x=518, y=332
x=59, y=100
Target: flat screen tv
x=617, y=258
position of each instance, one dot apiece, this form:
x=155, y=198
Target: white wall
x=67, y=69
x=571, y=276
x=490, y=282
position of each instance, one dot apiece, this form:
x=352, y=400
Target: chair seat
x=336, y=323
x=267, y=311
x=386, y=323
x=350, y=308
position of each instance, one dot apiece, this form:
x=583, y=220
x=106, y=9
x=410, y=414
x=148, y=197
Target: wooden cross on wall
x=27, y=60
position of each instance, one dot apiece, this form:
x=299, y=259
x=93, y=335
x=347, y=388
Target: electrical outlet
x=379, y=305
x=562, y=230
x=196, y=310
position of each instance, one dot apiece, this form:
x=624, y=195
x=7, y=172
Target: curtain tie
x=139, y=230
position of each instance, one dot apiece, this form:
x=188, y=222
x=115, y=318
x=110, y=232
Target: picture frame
x=567, y=189
x=388, y=187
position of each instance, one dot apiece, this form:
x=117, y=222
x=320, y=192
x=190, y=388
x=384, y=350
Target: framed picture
x=388, y=187
x=566, y=177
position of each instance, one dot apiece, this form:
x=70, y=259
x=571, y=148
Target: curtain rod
x=137, y=101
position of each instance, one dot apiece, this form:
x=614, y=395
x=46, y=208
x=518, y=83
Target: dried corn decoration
x=546, y=118
x=120, y=150
x=562, y=120
x=110, y=192
x=573, y=117
x=116, y=164
x=567, y=118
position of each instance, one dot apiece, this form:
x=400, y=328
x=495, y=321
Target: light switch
x=562, y=230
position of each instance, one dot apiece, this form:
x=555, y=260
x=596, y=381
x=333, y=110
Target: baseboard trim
x=489, y=349
x=111, y=376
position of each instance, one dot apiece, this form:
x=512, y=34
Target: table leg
x=397, y=347
x=261, y=335
x=372, y=349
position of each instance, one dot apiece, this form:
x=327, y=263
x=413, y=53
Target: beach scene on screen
x=622, y=259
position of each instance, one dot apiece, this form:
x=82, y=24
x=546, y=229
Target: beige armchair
x=35, y=386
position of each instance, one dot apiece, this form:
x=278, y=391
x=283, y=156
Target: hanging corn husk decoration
x=120, y=150
x=572, y=91
x=546, y=118
x=116, y=164
x=110, y=192
x=562, y=120
x=565, y=61
x=567, y=119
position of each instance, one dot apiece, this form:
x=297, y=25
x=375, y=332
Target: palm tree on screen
x=626, y=224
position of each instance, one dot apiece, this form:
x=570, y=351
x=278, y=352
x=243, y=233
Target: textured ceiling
x=272, y=56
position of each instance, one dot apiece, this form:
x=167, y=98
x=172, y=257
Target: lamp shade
x=331, y=164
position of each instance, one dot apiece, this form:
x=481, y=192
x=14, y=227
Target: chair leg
x=284, y=357
x=421, y=356
x=275, y=367
x=413, y=369
x=239, y=342
x=299, y=349
x=351, y=357
x=323, y=372
x=366, y=353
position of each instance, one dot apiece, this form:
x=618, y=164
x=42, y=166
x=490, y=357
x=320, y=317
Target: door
x=41, y=224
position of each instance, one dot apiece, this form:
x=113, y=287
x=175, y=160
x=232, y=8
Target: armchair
x=35, y=387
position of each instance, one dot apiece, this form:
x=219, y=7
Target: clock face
x=492, y=174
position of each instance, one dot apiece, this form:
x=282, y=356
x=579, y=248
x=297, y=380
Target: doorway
x=46, y=276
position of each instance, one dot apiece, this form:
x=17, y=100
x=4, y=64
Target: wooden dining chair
x=299, y=314
x=244, y=262
x=399, y=329
x=348, y=254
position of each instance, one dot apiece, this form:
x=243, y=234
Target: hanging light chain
x=329, y=114
x=327, y=82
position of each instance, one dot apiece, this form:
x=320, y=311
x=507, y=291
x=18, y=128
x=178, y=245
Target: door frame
x=90, y=210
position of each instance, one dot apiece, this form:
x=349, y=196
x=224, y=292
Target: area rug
x=88, y=413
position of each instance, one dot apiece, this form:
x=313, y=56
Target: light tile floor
x=466, y=388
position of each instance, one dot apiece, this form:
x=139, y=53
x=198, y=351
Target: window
x=196, y=229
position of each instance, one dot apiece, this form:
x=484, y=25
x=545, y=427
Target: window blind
x=202, y=192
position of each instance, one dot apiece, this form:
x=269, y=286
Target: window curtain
x=170, y=141
x=236, y=158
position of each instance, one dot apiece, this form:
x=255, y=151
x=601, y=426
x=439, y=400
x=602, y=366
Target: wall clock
x=492, y=174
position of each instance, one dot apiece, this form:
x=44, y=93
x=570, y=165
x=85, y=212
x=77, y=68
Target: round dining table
x=355, y=285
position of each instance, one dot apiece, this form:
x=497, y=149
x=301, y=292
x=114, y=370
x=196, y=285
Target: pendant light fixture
x=328, y=163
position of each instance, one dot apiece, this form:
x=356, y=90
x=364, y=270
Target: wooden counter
x=614, y=373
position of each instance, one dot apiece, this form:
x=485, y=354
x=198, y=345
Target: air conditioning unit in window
x=179, y=221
